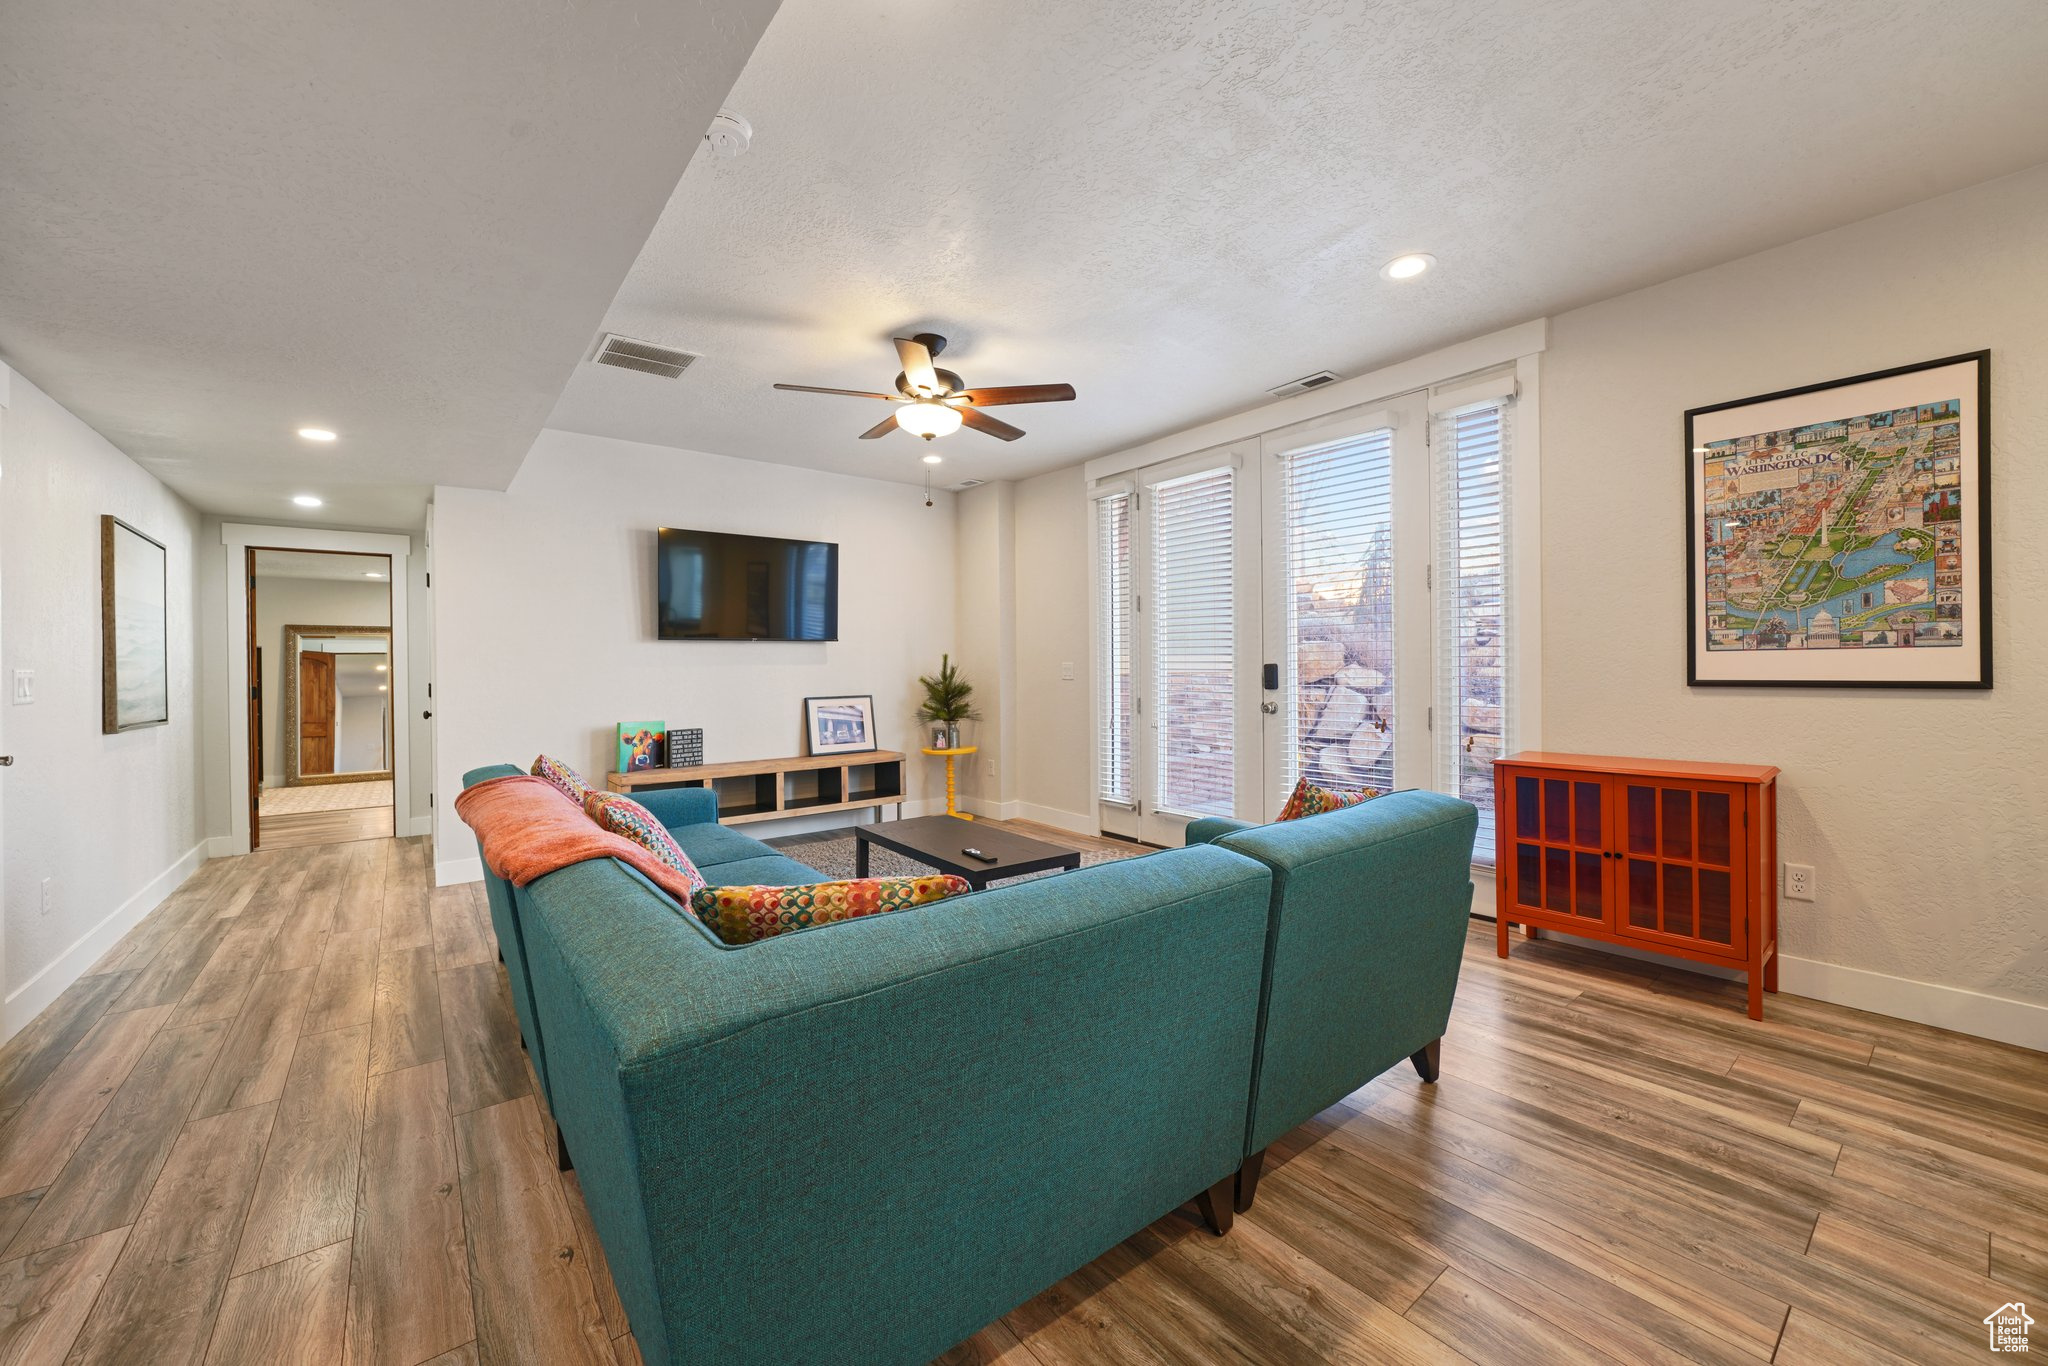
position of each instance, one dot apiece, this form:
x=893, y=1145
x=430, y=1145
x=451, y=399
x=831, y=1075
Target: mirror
x=337, y=704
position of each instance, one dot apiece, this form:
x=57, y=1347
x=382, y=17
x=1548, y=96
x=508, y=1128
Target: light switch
x=1067, y=671
x=24, y=686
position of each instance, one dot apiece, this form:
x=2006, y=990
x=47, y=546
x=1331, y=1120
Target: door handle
x=1270, y=708
x=426, y=716
x=6, y=761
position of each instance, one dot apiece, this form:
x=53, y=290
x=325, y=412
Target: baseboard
x=220, y=846
x=420, y=825
x=450, y=871
x=1058, y=819
x=32, y=997
x=1929, y=1003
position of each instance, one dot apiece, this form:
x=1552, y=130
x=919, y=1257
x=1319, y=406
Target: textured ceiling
x=222, y=221
x=1177, y=207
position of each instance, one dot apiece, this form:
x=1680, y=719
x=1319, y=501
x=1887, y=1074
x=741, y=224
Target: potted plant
x=947, y=699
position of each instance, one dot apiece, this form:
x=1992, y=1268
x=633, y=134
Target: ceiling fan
x=934, y=402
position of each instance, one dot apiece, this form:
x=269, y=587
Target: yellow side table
x=950, y=756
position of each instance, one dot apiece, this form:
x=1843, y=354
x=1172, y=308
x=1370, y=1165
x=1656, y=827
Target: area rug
x=297, y=801
x=831, y=853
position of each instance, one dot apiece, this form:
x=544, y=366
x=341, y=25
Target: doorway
x=322, y=715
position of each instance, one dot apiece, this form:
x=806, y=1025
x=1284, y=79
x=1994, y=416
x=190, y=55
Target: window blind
x=1113, y=647
x=1474, y=625
x=1194, y=643
x=1337, y=518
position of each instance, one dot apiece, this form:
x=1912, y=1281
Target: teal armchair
x=1364, y=942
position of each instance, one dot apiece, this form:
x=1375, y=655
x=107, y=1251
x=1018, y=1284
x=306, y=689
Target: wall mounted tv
x=718, y=586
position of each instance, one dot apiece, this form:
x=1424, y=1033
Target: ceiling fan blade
x=882, y=428
x=994, y=426
x=917, y=365
x=850, y=393
x=1020, y=393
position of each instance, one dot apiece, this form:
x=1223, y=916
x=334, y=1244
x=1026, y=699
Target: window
x=1194, y=643
x=1337, y=519
x=1474, y=626
x=1113, y=647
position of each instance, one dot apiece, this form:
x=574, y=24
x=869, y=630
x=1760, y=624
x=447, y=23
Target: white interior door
x=6, y=755
x=1347, y=637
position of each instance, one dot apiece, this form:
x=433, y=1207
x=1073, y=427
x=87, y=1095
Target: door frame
x=238, y=538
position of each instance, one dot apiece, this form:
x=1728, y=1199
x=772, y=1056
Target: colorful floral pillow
x=1309, y=800
x=624, y=816
x=741, y=915
x=565, y=779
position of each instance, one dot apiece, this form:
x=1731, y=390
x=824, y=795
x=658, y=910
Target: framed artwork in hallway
x=1839, y=535
x=135, y=667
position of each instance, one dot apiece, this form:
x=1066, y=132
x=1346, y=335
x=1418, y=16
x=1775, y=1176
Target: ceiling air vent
x=964, y=485
x=1304, y=384
x=646, y=357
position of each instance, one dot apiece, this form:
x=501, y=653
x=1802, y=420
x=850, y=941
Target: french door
x=1262, y=615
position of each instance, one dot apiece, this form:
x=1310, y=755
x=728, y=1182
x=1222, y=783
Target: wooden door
x=255, y=707
x=1557, y=865
x=316, y=713
x=1681, y=878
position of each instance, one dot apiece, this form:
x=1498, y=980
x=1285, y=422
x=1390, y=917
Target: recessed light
x=381, y=668
x=383, y=687
x=933, y=459
x=373, y=574
x=305, y=500
x=316, y=434
x=1407, y=267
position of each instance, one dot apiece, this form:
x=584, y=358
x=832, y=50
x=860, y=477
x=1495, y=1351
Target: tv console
x=768, y=789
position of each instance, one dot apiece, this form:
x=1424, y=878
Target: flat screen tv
x=717, y=586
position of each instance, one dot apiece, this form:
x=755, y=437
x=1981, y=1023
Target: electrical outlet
x=1799, y=882
x=48, y=900
x=1067, y=672
x=24, y=687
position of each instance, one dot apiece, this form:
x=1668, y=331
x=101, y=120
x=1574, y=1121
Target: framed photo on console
x=1839, y=535
x=840, y=725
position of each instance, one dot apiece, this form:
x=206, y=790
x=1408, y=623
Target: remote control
x=985, y=858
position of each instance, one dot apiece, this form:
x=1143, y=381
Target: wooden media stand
x=1677, y=857
x=766, y=789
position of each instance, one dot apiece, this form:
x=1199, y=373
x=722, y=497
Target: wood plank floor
x=298, y=829
x=287, y=1119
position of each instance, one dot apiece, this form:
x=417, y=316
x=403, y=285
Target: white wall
x=1921, y=812
x=359, y=720
x=282, y=602
x=113, y=819
x=985, y=644
x=544, y=607
x=1054, y=766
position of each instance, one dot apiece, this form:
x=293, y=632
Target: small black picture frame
x=840, y=725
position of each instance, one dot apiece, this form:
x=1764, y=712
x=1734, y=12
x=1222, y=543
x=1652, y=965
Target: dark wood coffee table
x=940, y=841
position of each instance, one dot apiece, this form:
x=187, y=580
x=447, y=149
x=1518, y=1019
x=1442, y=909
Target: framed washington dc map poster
x=1840, y=534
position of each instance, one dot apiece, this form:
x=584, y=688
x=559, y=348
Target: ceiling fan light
x=928, y=419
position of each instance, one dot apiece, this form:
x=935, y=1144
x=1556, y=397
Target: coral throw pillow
x=562, y=778
x=741, y=915
x=624, y=816
x=1309, y=800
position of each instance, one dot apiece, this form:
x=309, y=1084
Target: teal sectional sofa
x=862, y=1143
x=1366, y=935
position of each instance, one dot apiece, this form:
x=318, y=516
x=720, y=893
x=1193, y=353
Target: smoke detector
x=646, y=357
x=729, y=134
x=1304, y=384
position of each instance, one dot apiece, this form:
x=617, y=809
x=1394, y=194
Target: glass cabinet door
x=1682, y=864
x=1560, y=843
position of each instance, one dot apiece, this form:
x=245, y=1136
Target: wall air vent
x=964, y=485
x=646, y=357
x=1304, y=384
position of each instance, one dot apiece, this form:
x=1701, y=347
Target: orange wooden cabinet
x=1677, y=857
